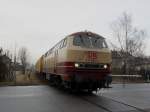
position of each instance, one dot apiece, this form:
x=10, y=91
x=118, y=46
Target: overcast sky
x=40, y=24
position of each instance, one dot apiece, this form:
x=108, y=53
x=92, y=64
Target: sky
x=40, y=24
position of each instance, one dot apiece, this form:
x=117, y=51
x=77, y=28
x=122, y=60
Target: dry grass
x=28, y=79
x=24, y=80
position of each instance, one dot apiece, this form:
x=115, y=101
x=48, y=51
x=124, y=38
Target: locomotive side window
x=61, y=44
x=64, y=43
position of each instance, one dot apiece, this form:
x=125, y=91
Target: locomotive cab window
x=89, y=42
x=77, y=41
x=99, y=43
x=81, y=41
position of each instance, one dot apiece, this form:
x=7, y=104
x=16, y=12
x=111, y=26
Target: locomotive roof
x=86, y=33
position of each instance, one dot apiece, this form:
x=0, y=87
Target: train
x=80, y=61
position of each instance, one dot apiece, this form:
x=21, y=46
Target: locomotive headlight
x=105, y=66
x=76, y=65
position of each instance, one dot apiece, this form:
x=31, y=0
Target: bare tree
x=129, y=39
x=23, y=56
x=14, y=58
x=1, y=51
x=5, y=65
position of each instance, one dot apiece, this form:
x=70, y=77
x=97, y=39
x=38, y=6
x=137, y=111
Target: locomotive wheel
x=51, y=80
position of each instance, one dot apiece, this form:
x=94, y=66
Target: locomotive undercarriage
x=77, y=85
x=88, y=84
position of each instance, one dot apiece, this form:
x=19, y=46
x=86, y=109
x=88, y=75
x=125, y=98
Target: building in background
x=135, y=65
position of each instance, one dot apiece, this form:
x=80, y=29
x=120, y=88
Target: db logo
x=92, y=55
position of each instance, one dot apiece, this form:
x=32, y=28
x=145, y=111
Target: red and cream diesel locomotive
x=81, y=60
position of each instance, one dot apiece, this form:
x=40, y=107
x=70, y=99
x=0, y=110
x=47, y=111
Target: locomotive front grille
x=91, y=66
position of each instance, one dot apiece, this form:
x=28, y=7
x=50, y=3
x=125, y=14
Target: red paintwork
x=67, y=69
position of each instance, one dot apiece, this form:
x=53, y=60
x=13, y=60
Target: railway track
x=100, y=106
x=105, y=103
x=111, y=108
x=139, y=109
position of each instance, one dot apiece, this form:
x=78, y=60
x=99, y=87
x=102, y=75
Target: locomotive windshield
x=89, y=42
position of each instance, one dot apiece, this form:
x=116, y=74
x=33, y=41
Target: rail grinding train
x=81, y=60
